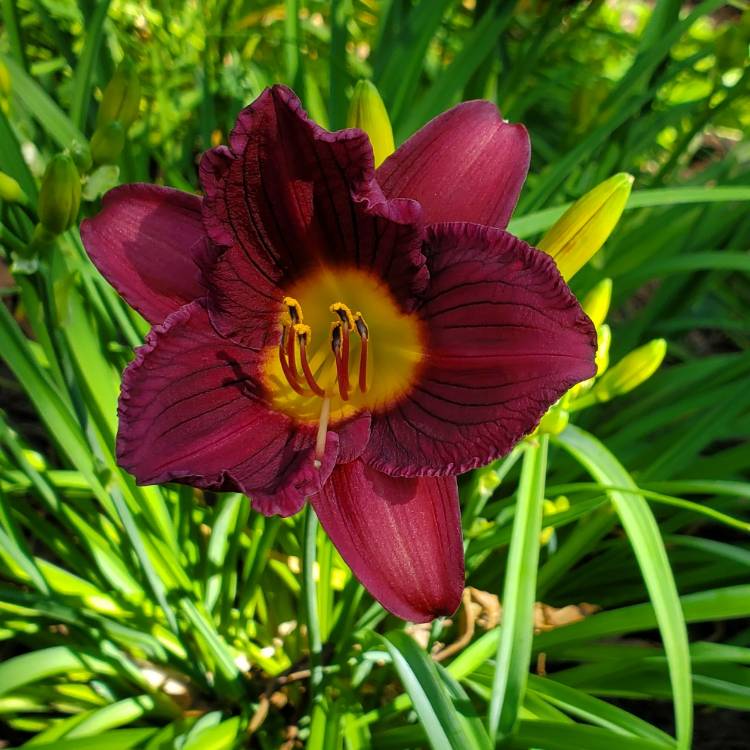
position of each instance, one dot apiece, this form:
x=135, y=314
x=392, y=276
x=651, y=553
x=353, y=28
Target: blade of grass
x=42, y=107
x=538, y=221
x=596, y=711
x=552, y=735
x=12, y=26
x=519, y=590
x=429, y=696
x=82, y=80
x=643, y=533
x=12, y=161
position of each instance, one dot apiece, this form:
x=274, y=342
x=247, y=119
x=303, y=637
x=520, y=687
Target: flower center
x=344, y=347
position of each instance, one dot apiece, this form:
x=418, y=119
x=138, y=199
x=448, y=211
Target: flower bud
x=121, y=98
x=554, y=421
x=367, y=112
x=631, y=370
x=585, y=226
x=60, y=194
x=10, y=190
x=551, y=508
x=107, y=143
x=596, y=302
x=604, y=339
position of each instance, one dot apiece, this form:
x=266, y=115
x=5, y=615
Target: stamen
x=303, y=332
x=291, y=377
x=320, y=441
x=364, y=334
x=339, y=332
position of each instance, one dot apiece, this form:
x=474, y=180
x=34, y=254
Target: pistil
x=320, y=440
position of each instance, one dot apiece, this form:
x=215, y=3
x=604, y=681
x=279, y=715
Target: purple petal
x=506, y=339
x=149, y=243
x=353, y=437
x=400, y=537
x=290, y=197
x=191, y=411
x=468, y=164
x=213, y=168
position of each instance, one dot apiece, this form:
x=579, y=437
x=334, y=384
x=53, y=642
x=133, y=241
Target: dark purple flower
x=324, y=330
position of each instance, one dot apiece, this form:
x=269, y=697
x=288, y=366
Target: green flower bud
x=554, y=421
x=107, y=143
x=81, y=154
x=367, y=112
x=631, y=370
x=596, y=302
x=581, y=231
x=60, y=194
x=11, y=191
x=121, y=98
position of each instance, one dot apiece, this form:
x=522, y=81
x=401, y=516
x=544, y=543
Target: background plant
x=162, y=617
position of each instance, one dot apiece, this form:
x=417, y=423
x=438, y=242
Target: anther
x=344, y=313
x=295, y=310
x=364, y=334
x=339, y=335
x=303, y=333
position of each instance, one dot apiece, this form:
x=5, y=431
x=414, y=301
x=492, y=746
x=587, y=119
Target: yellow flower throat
x=345, y=346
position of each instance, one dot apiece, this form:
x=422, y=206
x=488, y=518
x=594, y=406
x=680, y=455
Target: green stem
x=309, y=591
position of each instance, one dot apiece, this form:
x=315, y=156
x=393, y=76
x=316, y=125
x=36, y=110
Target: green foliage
x=162, y=617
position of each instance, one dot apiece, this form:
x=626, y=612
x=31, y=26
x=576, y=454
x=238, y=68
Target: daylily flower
x=326, y=331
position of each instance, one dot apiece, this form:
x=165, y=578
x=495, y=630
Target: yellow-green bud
x=554, y=421
x=60, y=194
x=579, y=233
x=107, y=143
x=551, y=508
x=604, y=339
x=596, y=303
x=121, y=98
x=631, y=370
x=10, y=190
x=5, y=86
x=367, y=112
